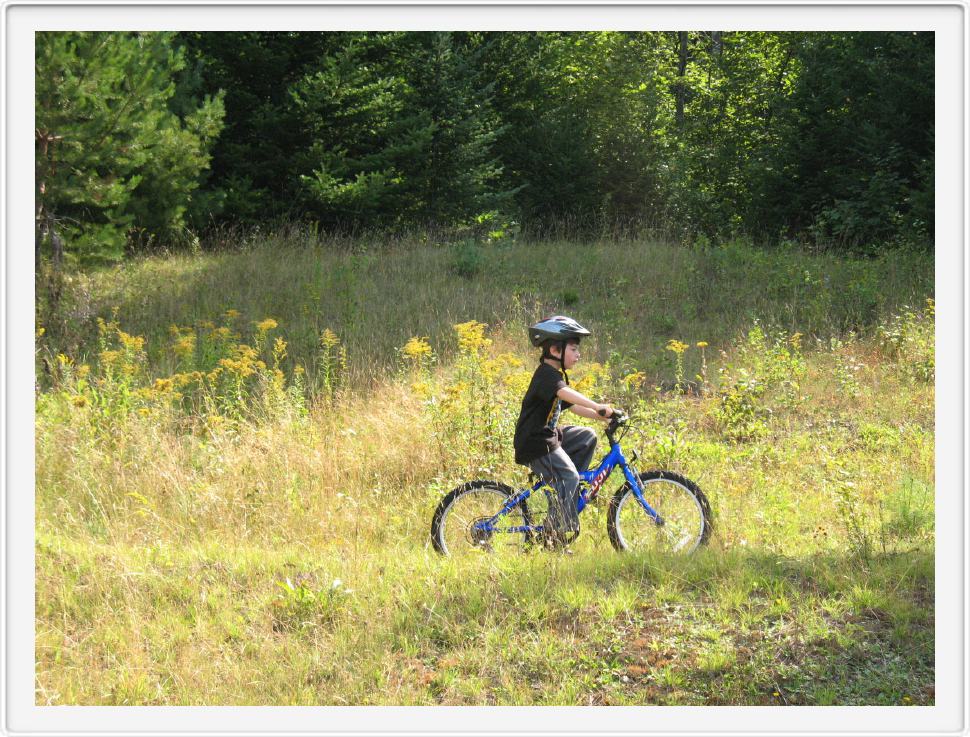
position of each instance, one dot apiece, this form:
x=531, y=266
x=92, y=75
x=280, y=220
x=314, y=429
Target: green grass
x=634, y=295
x=248, y=544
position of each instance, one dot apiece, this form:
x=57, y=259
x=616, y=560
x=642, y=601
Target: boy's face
x=571, y=357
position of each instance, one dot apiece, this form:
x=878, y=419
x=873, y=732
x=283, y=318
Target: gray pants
x=560, y=469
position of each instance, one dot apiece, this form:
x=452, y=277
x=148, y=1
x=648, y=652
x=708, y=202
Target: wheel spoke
x=683, y=516
x=463, y=529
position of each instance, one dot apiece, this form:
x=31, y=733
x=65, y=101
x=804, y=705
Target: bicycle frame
x=595, y=478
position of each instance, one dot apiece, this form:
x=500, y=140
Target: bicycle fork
x=638, y=495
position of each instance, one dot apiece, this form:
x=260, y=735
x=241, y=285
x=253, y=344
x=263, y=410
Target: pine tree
x=112, y=159
x=255, y=177
x=460, y=175
x=363, y=140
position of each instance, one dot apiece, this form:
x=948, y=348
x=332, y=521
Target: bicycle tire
x=680, y=503
x=451, y=526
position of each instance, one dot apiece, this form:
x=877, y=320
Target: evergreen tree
x=457, y=173
x=364, y=138
x=112, y=159
x=253, y=174
x=546, y=143
x=854, y=158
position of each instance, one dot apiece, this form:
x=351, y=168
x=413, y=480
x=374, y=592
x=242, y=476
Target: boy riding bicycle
x=557, y=453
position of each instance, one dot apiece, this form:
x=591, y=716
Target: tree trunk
x=681, y=73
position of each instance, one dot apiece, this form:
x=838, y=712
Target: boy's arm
x=583, y=406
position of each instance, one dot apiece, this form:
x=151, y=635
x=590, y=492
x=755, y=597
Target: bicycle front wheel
x=685, y=515
x=462, y=522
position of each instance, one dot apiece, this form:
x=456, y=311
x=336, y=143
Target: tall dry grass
x=259, y=533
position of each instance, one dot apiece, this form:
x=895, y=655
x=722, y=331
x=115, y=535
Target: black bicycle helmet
x=558, y=328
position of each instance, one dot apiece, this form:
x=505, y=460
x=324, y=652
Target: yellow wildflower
x=796, y=340
x=184, y=346
x=422, y=389
x=245, y=352
x=676, y=346
x=490, y=369
x=40, y=332
x=635, y=380
x=471, y=336
x=454, y=392
x=143, y=412
x=64, y=360
x=83, y=371
x=163, y=385
x=266, y=325
x=243, y=368
x=206, y=325
x=702, y=344
x=416, y=349
x=79, y=401
x=133, y=343
x=181, y=380
x=517, y=382
x=593, y=376
x=279, y=350
x=328, y=339
x=110, y=357
x=231, y=314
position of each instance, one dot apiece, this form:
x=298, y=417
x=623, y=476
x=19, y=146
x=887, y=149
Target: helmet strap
x=562, y=354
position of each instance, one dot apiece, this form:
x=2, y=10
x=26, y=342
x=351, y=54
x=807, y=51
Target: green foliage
x=740, y=413
x=114, y=164
x=857, y=136
x=817, y=136
x=468, y=258
x=299, y=606
x=909, y=338
x=769, y=369
x=908, y=514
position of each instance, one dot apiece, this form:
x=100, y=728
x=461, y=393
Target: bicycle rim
x=681, y=511
x=458, y=536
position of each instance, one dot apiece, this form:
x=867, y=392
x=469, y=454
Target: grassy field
x=238, y=457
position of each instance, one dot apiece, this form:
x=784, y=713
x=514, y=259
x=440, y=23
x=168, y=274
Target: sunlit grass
x=236, y=510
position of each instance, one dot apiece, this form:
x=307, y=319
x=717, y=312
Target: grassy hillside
x=238, y=463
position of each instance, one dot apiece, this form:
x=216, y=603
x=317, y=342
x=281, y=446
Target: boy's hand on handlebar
x=606, y=411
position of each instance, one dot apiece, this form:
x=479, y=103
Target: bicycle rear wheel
x=684, y=512
x=459, y=526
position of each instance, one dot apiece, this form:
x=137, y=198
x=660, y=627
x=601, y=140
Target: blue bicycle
x=654, y=510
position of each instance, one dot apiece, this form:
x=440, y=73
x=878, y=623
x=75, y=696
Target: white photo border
x=20, y=20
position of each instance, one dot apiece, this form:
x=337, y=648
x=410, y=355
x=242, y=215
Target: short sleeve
x=552, y=382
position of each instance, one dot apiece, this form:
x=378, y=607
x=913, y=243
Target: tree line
x=146, y=139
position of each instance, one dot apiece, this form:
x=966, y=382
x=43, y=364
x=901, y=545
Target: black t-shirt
x=536, y=433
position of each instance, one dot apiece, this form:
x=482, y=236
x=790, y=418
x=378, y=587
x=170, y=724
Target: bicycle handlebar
x=617, y=414
x=617, y=420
